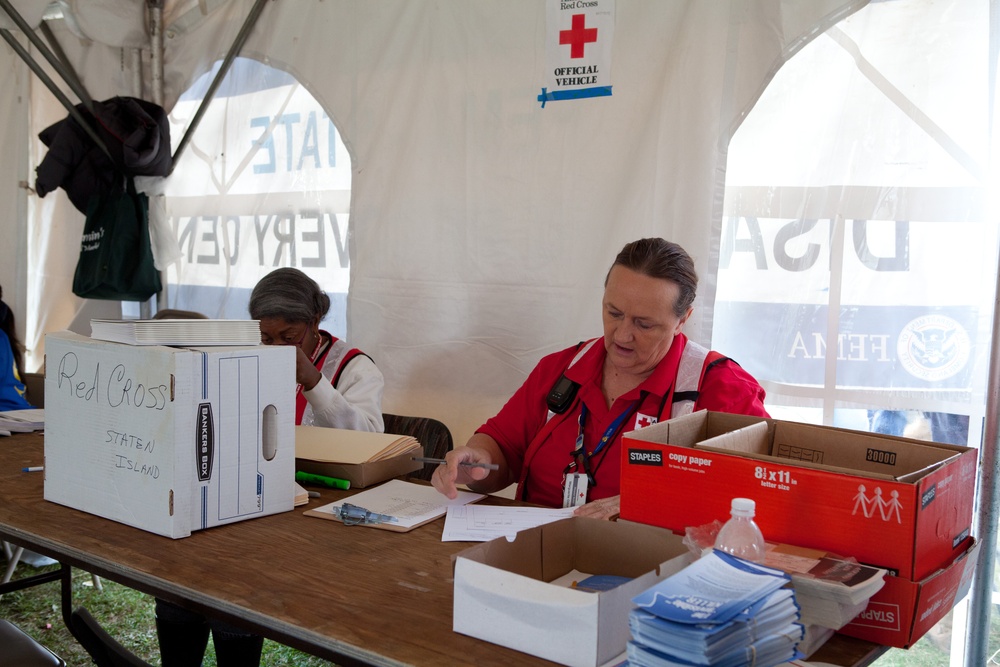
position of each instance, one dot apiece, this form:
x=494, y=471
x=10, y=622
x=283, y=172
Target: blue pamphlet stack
x=720, y=611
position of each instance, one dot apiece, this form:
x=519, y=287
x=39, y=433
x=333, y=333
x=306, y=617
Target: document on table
x=412, y=504
x=476, y=523
x=22, y=421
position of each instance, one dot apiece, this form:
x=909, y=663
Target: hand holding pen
x=470, y=464
x=463, y=465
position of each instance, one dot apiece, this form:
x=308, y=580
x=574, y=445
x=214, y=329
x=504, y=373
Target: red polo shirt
x=725, y=388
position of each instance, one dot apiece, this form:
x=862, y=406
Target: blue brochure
x=714, y=589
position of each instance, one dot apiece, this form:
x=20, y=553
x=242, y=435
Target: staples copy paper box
x=903, y=610
x=901, y=504
x=166, y=439
x=519, y=593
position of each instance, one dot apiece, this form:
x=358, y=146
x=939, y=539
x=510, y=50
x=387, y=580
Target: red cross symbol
x=642, y=421
x=577, y=36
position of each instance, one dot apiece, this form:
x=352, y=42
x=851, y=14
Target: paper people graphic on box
x=892, y=507
x=878, y=502
x=862, y=500
x=886, y=509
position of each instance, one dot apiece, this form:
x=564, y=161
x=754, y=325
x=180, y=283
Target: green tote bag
x=116, y=260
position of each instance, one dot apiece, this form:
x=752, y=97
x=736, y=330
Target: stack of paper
x=720, y=611
x=815, y=636
x=179, y=333
x=21, y=421
x=338, y=445
x=830, y=590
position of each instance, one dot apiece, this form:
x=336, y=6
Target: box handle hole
x=270, y=432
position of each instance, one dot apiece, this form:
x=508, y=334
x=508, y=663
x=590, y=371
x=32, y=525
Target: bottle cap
x=743, y=506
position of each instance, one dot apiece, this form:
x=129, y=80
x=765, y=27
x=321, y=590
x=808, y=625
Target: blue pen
x=33, y=469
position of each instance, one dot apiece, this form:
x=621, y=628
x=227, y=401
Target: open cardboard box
x=504, y=591
x=897, y=503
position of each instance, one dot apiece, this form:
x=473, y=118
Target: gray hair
x=289, y=294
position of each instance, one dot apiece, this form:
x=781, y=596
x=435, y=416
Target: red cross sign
x=577, y=36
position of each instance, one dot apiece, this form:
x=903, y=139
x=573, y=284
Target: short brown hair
x=659, y=258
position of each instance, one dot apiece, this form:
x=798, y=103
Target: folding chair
x=20, y=650
x=101, y=646
x=431, y=433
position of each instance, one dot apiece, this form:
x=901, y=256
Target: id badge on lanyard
x=577, y=484
x=575, y=489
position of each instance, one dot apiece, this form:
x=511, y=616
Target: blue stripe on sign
x=579, y=93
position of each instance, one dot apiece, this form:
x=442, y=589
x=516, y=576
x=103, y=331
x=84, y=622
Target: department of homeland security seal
x=933, y=347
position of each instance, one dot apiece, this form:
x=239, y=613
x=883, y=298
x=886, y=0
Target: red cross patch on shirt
x=642, y=421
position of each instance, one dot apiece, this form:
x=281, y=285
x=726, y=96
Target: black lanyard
x=609, y=435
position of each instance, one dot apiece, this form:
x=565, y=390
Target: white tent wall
x=56, y=226
x=482, y=224
x=13, y=172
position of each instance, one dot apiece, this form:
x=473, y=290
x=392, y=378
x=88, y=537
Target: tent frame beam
x=51, y=85
x=58, y=65
x=980, y=600
x=234, y=50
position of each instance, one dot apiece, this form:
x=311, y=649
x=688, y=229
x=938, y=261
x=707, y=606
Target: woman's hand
x=447, y=476
x=605, y=508
x=481, y=448
x=306, y=373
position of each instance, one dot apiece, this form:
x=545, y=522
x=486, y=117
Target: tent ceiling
x=119, y=23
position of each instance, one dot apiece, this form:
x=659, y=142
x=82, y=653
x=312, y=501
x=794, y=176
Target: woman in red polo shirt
x=559, y=435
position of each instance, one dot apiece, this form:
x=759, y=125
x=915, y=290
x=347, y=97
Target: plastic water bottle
x=740, y=536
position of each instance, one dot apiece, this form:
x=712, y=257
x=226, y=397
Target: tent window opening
x=857, y=253
x=855, y=241
x=265, y=182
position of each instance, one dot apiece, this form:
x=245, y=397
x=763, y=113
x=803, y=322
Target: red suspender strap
x=300, y=399
x=343, y=362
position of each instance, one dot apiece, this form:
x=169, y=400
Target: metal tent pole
x=67, y=71
x=156, y=85
x=51, y=85
x=980, y=603
x=241, y=38
x=69, y=77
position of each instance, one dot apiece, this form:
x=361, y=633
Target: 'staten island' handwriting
x=129, y=441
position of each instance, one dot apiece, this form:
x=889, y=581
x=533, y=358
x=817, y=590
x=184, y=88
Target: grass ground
x=128, y=615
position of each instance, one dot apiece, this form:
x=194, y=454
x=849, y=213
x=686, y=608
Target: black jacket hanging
x=136, y=133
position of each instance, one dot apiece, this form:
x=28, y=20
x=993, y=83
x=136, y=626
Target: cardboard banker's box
x=170, y=440
x=901, y=504
x=519, y=593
